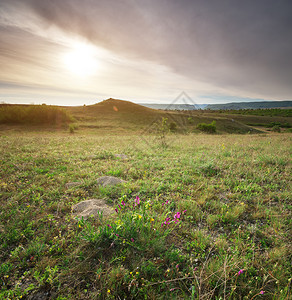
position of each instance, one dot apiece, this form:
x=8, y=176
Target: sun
x=81, y=60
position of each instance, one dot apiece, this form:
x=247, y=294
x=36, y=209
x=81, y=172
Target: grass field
x=213, y=218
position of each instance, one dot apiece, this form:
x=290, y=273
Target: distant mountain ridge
x=174, y=106
x=250, y=105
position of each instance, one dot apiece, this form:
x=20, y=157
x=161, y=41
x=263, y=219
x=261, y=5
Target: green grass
x=232, y=192
x=33, y=115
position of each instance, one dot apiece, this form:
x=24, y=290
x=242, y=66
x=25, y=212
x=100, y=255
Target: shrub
x=172, y=126
x=276, y=128
x=72, y=128
x=208, y=128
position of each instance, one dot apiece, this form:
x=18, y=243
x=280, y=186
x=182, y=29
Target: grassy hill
x=126, y=116
x=118, y=116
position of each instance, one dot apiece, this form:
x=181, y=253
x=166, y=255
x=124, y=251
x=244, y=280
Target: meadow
x=199, y=217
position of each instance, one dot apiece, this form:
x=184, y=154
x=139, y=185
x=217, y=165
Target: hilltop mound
x=113, y=113
x=112, y=108
x=123, y=106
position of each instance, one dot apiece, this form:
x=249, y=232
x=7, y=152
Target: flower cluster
x=175, y=219
x=119, y=206
x=137, y=201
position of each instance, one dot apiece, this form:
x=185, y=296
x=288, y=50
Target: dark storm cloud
x=243, y=45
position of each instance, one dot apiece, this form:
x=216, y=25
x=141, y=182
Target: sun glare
x=82, y=60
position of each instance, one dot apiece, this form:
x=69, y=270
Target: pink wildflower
x=116, y=210
x=132, y=240
x=262, y=292
x=177, y=215
x=240, y=271
x=109, y=225
x=137, y=201
x=184, y=211
x=123, y=203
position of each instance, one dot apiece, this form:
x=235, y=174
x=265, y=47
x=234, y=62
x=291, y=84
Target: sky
x=74, y=52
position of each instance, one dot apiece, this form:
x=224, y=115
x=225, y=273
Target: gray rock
x=92, y=207
x=109, y=180
x=72, y=184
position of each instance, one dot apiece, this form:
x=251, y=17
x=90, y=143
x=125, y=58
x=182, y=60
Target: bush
x=172, y=126
x=208, y=128
x=72, y=128
x=276, y=128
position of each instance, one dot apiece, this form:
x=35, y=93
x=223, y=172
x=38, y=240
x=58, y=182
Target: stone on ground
x=109, y=180
x=92, y=207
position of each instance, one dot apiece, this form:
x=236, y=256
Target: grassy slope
x=113, y=115
x=235, y=190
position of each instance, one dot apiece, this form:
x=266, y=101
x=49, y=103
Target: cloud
x=243, y=47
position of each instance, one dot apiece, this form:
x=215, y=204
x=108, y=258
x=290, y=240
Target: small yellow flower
x=131, y=273
x=242, y=203
x=137, y=273
x=79, y=226
x=151, y=220
x=108, y=291
x=139, y=216
x=167, y=270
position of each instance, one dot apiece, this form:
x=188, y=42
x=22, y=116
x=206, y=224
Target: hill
x=250, y=105
x=113, y=116
x=126, y=116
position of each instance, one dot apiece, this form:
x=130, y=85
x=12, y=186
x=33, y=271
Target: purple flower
x=240, y=271
x=123, y=203
x=177, y=215
x=117, y=234
x=262, y=292
x=116, y=210
x=109, y=225
x=184, y=211
x=132, y=240
x=166, y=221
x=119, y=206
x=166, y=202
x=137, y=201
